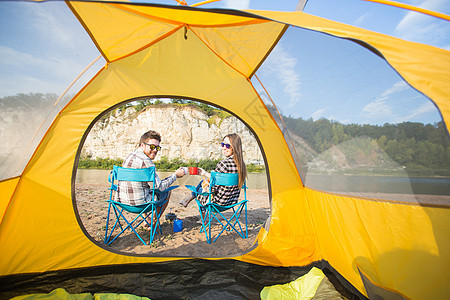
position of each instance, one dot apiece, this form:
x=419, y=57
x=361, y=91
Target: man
x=137, y=193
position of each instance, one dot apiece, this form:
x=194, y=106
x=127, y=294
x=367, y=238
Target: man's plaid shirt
x=224, y=195
x=135, y=193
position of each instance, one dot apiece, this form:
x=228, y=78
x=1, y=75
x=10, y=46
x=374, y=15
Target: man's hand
x=179, y=172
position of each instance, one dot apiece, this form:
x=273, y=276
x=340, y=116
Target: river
x=331, y=183
x=254, y=181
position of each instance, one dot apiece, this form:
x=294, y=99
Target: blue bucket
x=177, y=225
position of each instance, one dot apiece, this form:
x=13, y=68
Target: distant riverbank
x=345, y=184
x=98, y=176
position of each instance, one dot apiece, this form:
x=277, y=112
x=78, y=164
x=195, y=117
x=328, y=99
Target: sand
x=92, y=208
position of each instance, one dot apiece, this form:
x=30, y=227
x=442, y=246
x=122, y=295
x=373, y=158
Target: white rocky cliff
x=187, y=133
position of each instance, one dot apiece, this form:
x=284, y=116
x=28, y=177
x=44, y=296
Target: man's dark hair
x=151, y=134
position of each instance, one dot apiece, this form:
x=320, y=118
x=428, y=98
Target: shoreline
x=399, y=175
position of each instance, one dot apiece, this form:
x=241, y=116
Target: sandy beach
x=92, y=208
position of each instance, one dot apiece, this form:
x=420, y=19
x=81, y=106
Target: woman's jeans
x=198, y=188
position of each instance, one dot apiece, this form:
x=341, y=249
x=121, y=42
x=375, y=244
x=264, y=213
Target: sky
x=377, y=17
x=347, y=84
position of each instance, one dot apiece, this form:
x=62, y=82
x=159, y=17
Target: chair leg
x=246, y=228
x=204, y=228
x=129, y=225
x=209, y=225
x=153, y=227
x=156, y=215
x=107, y=224
x=117, y=221
x=233, y=222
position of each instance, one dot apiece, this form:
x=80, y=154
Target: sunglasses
x=228, y=146
x=153, y=147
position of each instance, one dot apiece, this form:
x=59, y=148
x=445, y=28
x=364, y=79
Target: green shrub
x=99, y=163
x=255, y=168
x=163, y=164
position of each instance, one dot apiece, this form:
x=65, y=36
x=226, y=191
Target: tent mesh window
x=349, y=135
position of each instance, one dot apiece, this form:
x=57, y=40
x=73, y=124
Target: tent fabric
x=387, y=239
x=303, y=288
x=378, y=292
x=237, y=40
x=149, y=54
x=61, y=294
x=56, y=294
x=313, y=285
x=173, y=279
x=6, y=192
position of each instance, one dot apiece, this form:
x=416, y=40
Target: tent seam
x=249, y=22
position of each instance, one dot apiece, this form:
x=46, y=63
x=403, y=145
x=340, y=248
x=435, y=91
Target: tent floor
x=179, y=279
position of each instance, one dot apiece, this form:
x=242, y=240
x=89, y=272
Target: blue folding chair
x=141, y=175
x=212, y=211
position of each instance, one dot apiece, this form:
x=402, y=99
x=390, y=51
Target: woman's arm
x=204, y=173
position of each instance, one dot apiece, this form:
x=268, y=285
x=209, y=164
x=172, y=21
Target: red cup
x=193, y=170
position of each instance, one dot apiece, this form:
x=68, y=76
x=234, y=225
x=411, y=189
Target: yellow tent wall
x=121, y=81
x=401, y=247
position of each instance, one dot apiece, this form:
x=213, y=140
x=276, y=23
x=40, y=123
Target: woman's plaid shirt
x=224, y=195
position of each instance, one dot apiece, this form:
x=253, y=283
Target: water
x=331, y=183
x=254, y=181
x=379, y=184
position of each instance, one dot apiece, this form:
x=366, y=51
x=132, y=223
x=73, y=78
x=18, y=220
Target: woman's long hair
x=238, y=156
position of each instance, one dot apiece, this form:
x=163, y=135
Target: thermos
x=177, y=225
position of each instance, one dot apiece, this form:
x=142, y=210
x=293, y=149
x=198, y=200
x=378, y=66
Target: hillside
x=189, y=133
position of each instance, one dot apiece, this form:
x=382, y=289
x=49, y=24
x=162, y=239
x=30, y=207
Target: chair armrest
x=194, y=189
x=171, y=188
x=166, y=190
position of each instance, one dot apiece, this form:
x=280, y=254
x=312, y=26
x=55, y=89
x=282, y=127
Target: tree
x=382, y=142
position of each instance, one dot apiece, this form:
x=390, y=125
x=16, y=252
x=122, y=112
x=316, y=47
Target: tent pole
x=301, y=5
x=75, y=80
x=413, y=8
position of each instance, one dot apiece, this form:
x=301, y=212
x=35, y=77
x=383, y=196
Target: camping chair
x=212, y=211
x=142, y=175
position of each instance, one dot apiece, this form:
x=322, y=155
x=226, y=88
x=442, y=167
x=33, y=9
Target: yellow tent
x=212, y=55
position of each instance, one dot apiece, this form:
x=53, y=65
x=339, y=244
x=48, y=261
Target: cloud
x=397, y=87
x=283, y=65
x=426, y=108
x=26, y=63
x=379, y=108
x=319, y=113
x=237, y=4
x=24, y=72
x=47, y=56
x=360, y=20
x=414, y=19
x=11, y=57
x=422, y=28
x=382, y=108
x=50, y=23
x=12, y=84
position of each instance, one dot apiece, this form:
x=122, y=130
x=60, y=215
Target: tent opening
x=191, y=133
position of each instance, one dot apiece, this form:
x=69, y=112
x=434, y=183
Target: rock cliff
x=186, y=131
x=189, y=133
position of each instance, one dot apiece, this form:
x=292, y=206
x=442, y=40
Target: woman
x=233, y=163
